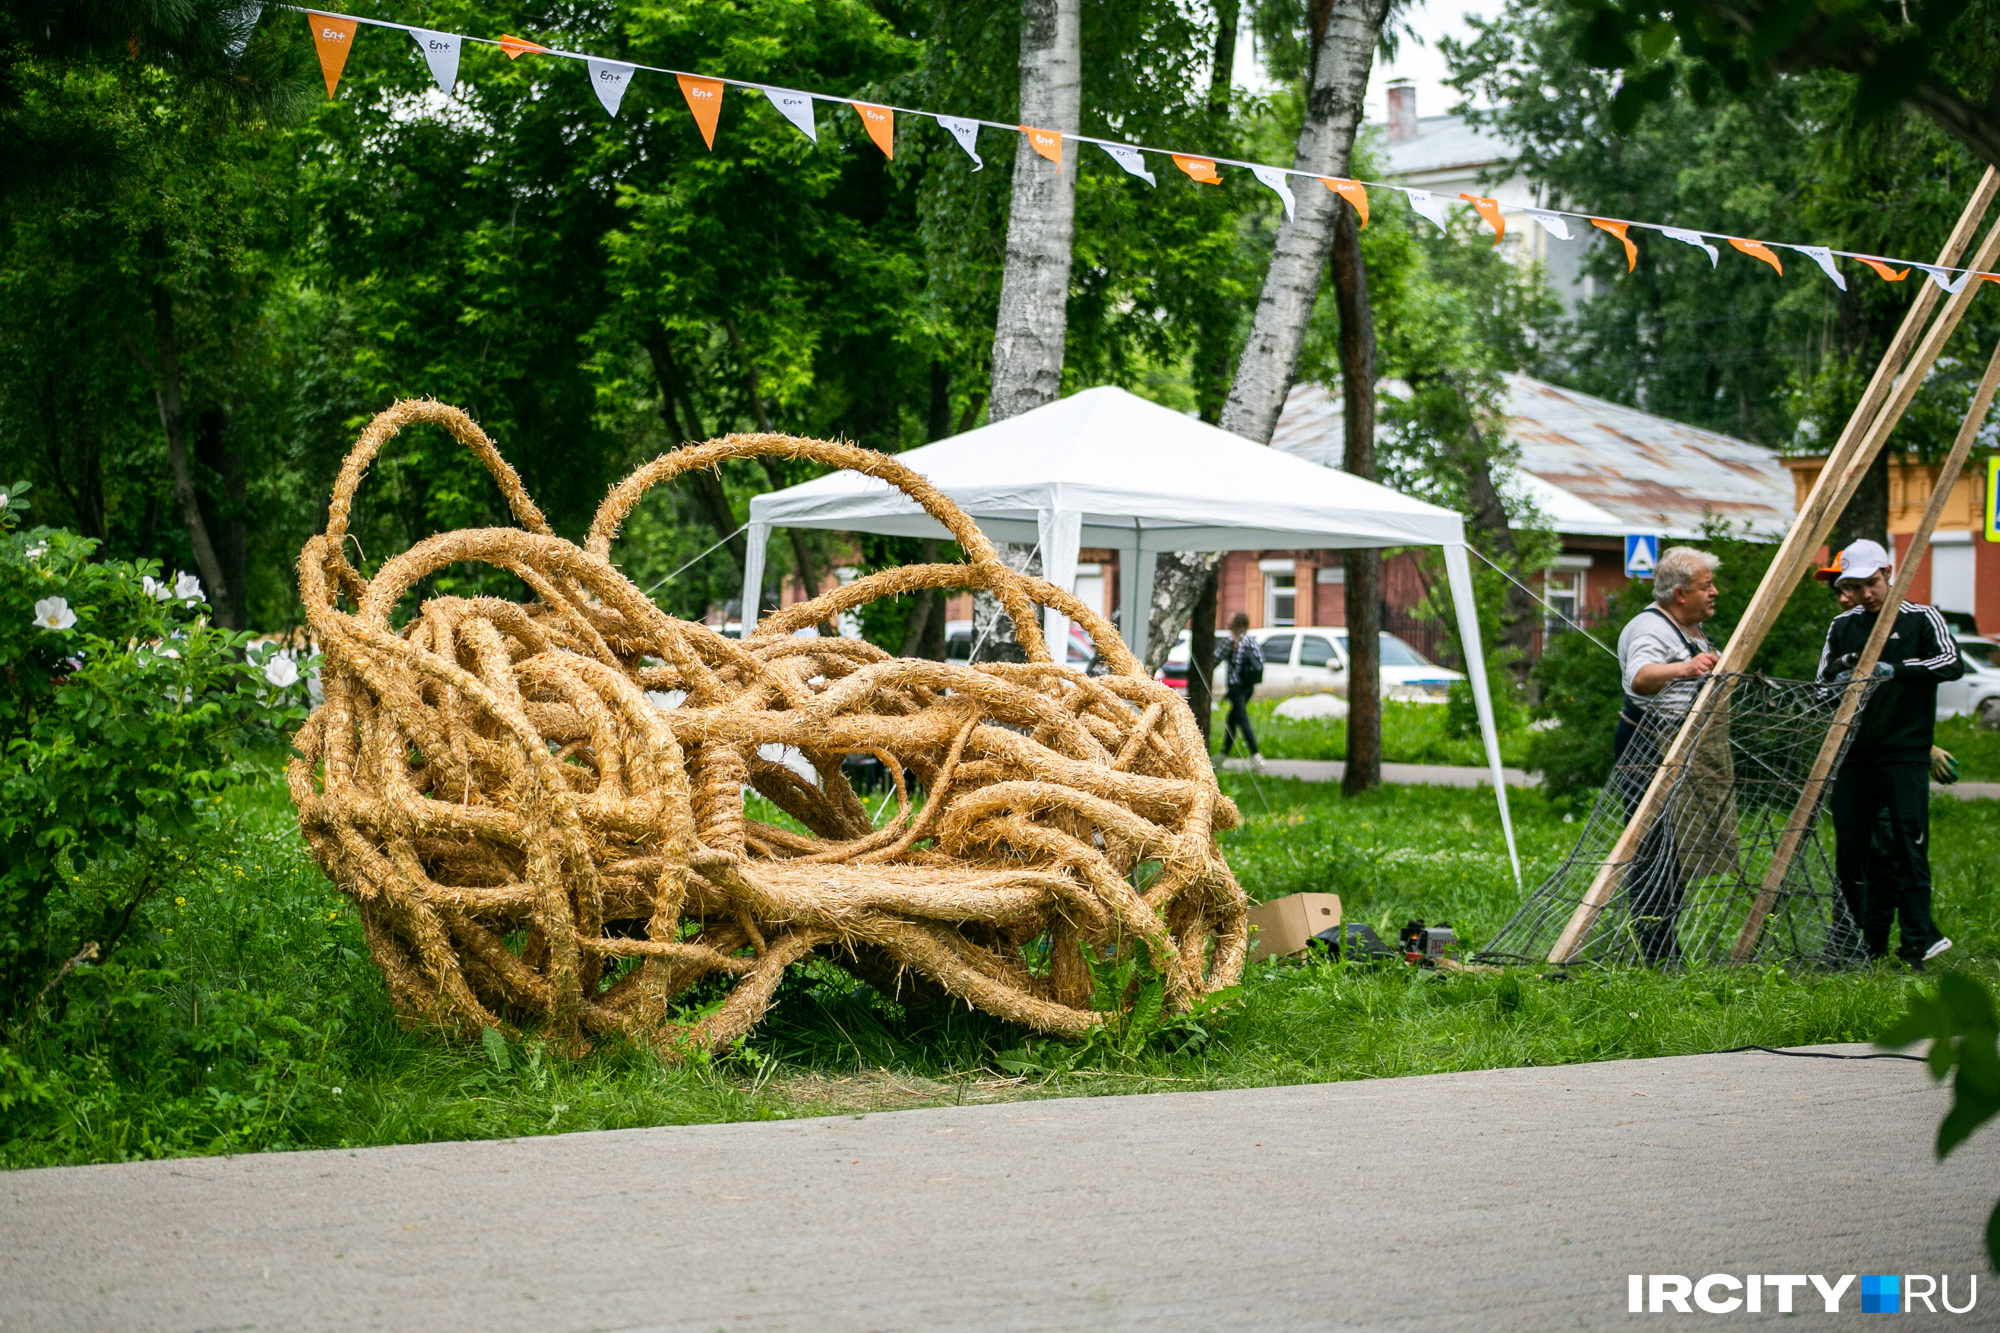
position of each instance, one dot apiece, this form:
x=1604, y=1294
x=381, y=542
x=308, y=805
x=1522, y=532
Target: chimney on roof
x=1402, y=111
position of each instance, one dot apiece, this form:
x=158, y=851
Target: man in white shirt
x=1661, y=645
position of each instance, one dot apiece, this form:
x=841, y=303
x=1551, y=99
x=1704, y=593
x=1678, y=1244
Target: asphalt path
x=1500, y=1200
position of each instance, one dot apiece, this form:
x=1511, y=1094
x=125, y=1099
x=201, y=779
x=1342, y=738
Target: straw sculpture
x=540, y=809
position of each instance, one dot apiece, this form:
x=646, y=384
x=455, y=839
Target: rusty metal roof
x=1597, y=468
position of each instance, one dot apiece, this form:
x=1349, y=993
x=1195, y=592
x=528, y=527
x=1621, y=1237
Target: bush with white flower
x=122, y=710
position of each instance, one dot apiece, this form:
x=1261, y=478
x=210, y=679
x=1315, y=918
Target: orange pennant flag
x=516, y=47
x=1352, y=191
x=704, y=98
x=1198, y=168
x=1046, y=142
x=881, y=124
x=333, y=38
x=1888, y=274
x=1618, y=229
x=1490, y=210
x=1758, y=250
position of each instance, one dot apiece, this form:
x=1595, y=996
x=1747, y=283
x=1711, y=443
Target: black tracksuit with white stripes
x=1887, y=770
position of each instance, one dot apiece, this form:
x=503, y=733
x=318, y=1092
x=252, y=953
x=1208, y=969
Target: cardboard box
x=1283, y=925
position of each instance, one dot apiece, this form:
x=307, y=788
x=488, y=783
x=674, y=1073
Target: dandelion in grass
x=187, y=587
x=54, y=613
x=281, y=671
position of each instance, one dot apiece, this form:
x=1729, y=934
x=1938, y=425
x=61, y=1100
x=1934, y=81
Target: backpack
x=1250, y=663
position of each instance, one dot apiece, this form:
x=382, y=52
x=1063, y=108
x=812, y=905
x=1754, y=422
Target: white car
x=958, y=643
x=1979, y=688
x=1312, y=659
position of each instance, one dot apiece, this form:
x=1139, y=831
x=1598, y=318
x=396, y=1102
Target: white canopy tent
x=1106, y=468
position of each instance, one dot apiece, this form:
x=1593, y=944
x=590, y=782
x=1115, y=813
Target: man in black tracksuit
x=1887, y=769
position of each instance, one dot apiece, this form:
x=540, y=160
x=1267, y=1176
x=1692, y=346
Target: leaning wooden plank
x=1871, y=652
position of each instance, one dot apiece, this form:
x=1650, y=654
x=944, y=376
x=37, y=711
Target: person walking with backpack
x=1246, y=673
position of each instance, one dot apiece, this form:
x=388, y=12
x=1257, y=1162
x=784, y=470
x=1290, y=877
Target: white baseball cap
x=1860, y=561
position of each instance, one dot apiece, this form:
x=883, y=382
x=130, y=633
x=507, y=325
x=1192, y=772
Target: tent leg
x=1061, y=533
x=753, y=574
x=1458, y=571
x=1139, y=613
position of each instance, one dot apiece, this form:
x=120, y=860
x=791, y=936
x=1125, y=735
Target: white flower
x=187, y=587
x=38, y=550
x=281, y=671
x=155, y=589
x=3, y=499
x=54, y=613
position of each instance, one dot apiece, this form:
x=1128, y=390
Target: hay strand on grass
x=534, y=837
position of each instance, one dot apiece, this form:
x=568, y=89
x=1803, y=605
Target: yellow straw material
x=533, y=840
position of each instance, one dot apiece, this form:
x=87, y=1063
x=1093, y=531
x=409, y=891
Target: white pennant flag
x=967, y=134
x=441, y=53
x=1822, y=256
x=610, y=79
x=795, y=107
x=1694, y=238
x=1275, y=178
x=245, y=22
x=1942, y=277
x=1427, y=207
x=1554, y=223
x=1131, y=159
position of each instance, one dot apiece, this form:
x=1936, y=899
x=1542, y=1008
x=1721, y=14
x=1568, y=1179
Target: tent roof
x=1129, y=467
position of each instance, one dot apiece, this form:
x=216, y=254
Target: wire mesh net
x=1731, y=868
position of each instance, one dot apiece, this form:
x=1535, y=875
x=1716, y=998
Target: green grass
x=1976, y=749
x=259, y=1023
x=1411, y=734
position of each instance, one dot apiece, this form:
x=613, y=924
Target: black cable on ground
x=1819, y=1055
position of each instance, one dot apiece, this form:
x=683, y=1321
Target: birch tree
x=1034, y=288
x=1342, y=36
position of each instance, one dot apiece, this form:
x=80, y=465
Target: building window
x=1281, y=599
x=1563, y=588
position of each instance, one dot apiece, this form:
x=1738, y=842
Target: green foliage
x=123, y=710
x=1411, y=733
x=1732, y=347
x=1958, y=1021
x=1976, y=748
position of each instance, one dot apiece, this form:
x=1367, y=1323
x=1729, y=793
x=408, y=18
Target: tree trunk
x=1034, y=289
x=224, y=515
x=1228, y=14
x=706, y=486
x=1201, y=656
x=1343, y=53
x=1363, y=568
x=173, y=420
x=1343, y=35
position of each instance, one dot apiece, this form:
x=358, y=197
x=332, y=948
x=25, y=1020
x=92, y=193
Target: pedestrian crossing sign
x=1993, y=499
x=1642, y=553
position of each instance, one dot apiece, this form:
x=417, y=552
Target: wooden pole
x=1866, y=428
x=1871, y=652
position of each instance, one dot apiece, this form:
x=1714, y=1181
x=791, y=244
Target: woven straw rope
x=533, y=840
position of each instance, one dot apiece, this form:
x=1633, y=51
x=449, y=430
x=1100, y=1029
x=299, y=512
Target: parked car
x=1312, y=659
x=1978, y=690
x=958, y=643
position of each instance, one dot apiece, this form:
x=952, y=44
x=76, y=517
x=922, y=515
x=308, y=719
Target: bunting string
x=334, y=34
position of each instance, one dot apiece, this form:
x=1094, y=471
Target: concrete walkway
x=1456, y=775
x=1504, y=1200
